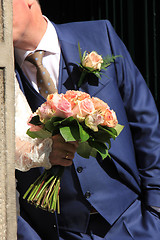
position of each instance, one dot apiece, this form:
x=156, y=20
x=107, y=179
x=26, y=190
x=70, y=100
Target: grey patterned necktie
x=44, y=81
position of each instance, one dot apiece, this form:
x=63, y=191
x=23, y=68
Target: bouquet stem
x=81, y=80
x=44, y=192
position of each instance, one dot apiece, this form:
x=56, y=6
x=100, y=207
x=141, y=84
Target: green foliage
x=36, y=121
x=39, y=134
x=90, y=142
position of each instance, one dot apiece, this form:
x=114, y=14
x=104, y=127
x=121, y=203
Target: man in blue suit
x=113, y=199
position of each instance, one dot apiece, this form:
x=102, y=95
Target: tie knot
x=35, y=58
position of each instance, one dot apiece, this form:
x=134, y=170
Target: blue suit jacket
x=111, y=186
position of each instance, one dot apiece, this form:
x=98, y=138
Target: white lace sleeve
x=29, y=152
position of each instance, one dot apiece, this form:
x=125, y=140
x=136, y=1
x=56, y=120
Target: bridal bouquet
x=77, y=117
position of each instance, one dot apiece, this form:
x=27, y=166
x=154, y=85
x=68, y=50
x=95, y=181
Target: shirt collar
x=52, y=45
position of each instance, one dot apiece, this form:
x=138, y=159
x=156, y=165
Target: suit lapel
x=69, y=73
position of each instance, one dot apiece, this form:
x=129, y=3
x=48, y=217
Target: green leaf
x=51, y=125
x=105, y=66
x=84, y=150
x=84, y=136
x=89, y=69
x=97, y=74
x=109, y=59
x=101, y=136
x=119, y=128
x=74, y=132
x=100, y=147
x=109, y=143
x=55, y=123
x=111, y=131
x=84, y=54
x=69, y=133
x=39, y=134
x=79, y=49
x=93, y=152
x=67, y=121
x=36, y=120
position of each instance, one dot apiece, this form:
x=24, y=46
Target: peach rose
x=60, y=105
x=73, y=96
x=92, y=60
x=83, y=108
x=99, y=104
x=110, y=118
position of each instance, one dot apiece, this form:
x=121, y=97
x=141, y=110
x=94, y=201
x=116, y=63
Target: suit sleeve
x=143, y=119
x=25, y=231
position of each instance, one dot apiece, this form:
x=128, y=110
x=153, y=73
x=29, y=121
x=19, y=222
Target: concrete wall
x=7, y=178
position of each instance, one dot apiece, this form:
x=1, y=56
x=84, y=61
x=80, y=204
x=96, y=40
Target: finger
x=60, y=157
x=59, y=139
x=68, y=147
x=75, y=143
x=69, y=155
x=62, y=152
x=61, y=161
x=61, y=145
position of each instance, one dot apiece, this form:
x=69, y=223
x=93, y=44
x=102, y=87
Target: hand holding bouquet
x=77, y=117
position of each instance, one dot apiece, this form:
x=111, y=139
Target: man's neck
x=32, y=38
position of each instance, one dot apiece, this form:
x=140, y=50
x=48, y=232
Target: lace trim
x=29, y=152
x=33, y=153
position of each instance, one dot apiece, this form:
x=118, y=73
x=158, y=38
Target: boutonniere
x=93, y=63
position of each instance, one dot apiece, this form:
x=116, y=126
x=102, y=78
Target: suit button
x=79, y=169
x=87, y=194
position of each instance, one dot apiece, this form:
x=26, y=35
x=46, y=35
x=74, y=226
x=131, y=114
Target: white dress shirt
x=50, y=44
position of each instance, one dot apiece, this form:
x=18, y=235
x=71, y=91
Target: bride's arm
x=29, y=152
